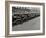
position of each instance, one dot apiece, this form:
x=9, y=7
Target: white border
x=24, y=32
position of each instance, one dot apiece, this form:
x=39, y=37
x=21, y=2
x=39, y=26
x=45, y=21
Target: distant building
x=22, y=10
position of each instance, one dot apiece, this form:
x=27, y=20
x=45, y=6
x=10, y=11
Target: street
x=33, y=24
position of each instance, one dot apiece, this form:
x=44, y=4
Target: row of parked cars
x=21, y=18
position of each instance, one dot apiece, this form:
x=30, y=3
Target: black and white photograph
x=25, y=18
